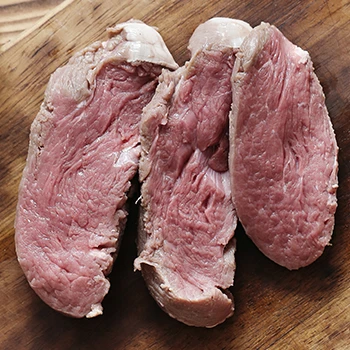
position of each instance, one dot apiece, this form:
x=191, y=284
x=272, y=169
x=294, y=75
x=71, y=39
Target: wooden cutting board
x=19, y=15
x=275, y=308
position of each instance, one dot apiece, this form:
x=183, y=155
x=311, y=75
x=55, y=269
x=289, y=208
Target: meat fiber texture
x=84, y=150
x=186, y=245
x=283, y=151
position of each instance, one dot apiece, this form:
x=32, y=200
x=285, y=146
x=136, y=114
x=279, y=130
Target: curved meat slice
x=283, y=155
x=84, y=150
x=186, y=245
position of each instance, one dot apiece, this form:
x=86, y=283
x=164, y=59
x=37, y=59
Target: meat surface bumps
x=83, y=152
x=283, y=151
x=186, y=245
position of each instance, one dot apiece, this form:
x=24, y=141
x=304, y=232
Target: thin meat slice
x=84, y=150
x=283, y=153
x=186, y=245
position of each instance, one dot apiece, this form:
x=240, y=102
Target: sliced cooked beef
x=283, y=155
x=188, y=221
x=84, y=150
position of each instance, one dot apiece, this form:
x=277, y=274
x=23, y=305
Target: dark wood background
x=275, y=308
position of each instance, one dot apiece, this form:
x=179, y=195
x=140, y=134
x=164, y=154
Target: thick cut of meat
x=283, y=154
x=188, y=221
x=84, y=150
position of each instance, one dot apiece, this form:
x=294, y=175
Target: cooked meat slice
x=84, y=150
x=283, y=153
x=188, y=221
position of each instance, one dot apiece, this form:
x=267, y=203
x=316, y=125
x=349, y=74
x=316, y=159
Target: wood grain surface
x=17, y=16
x=275, y=308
